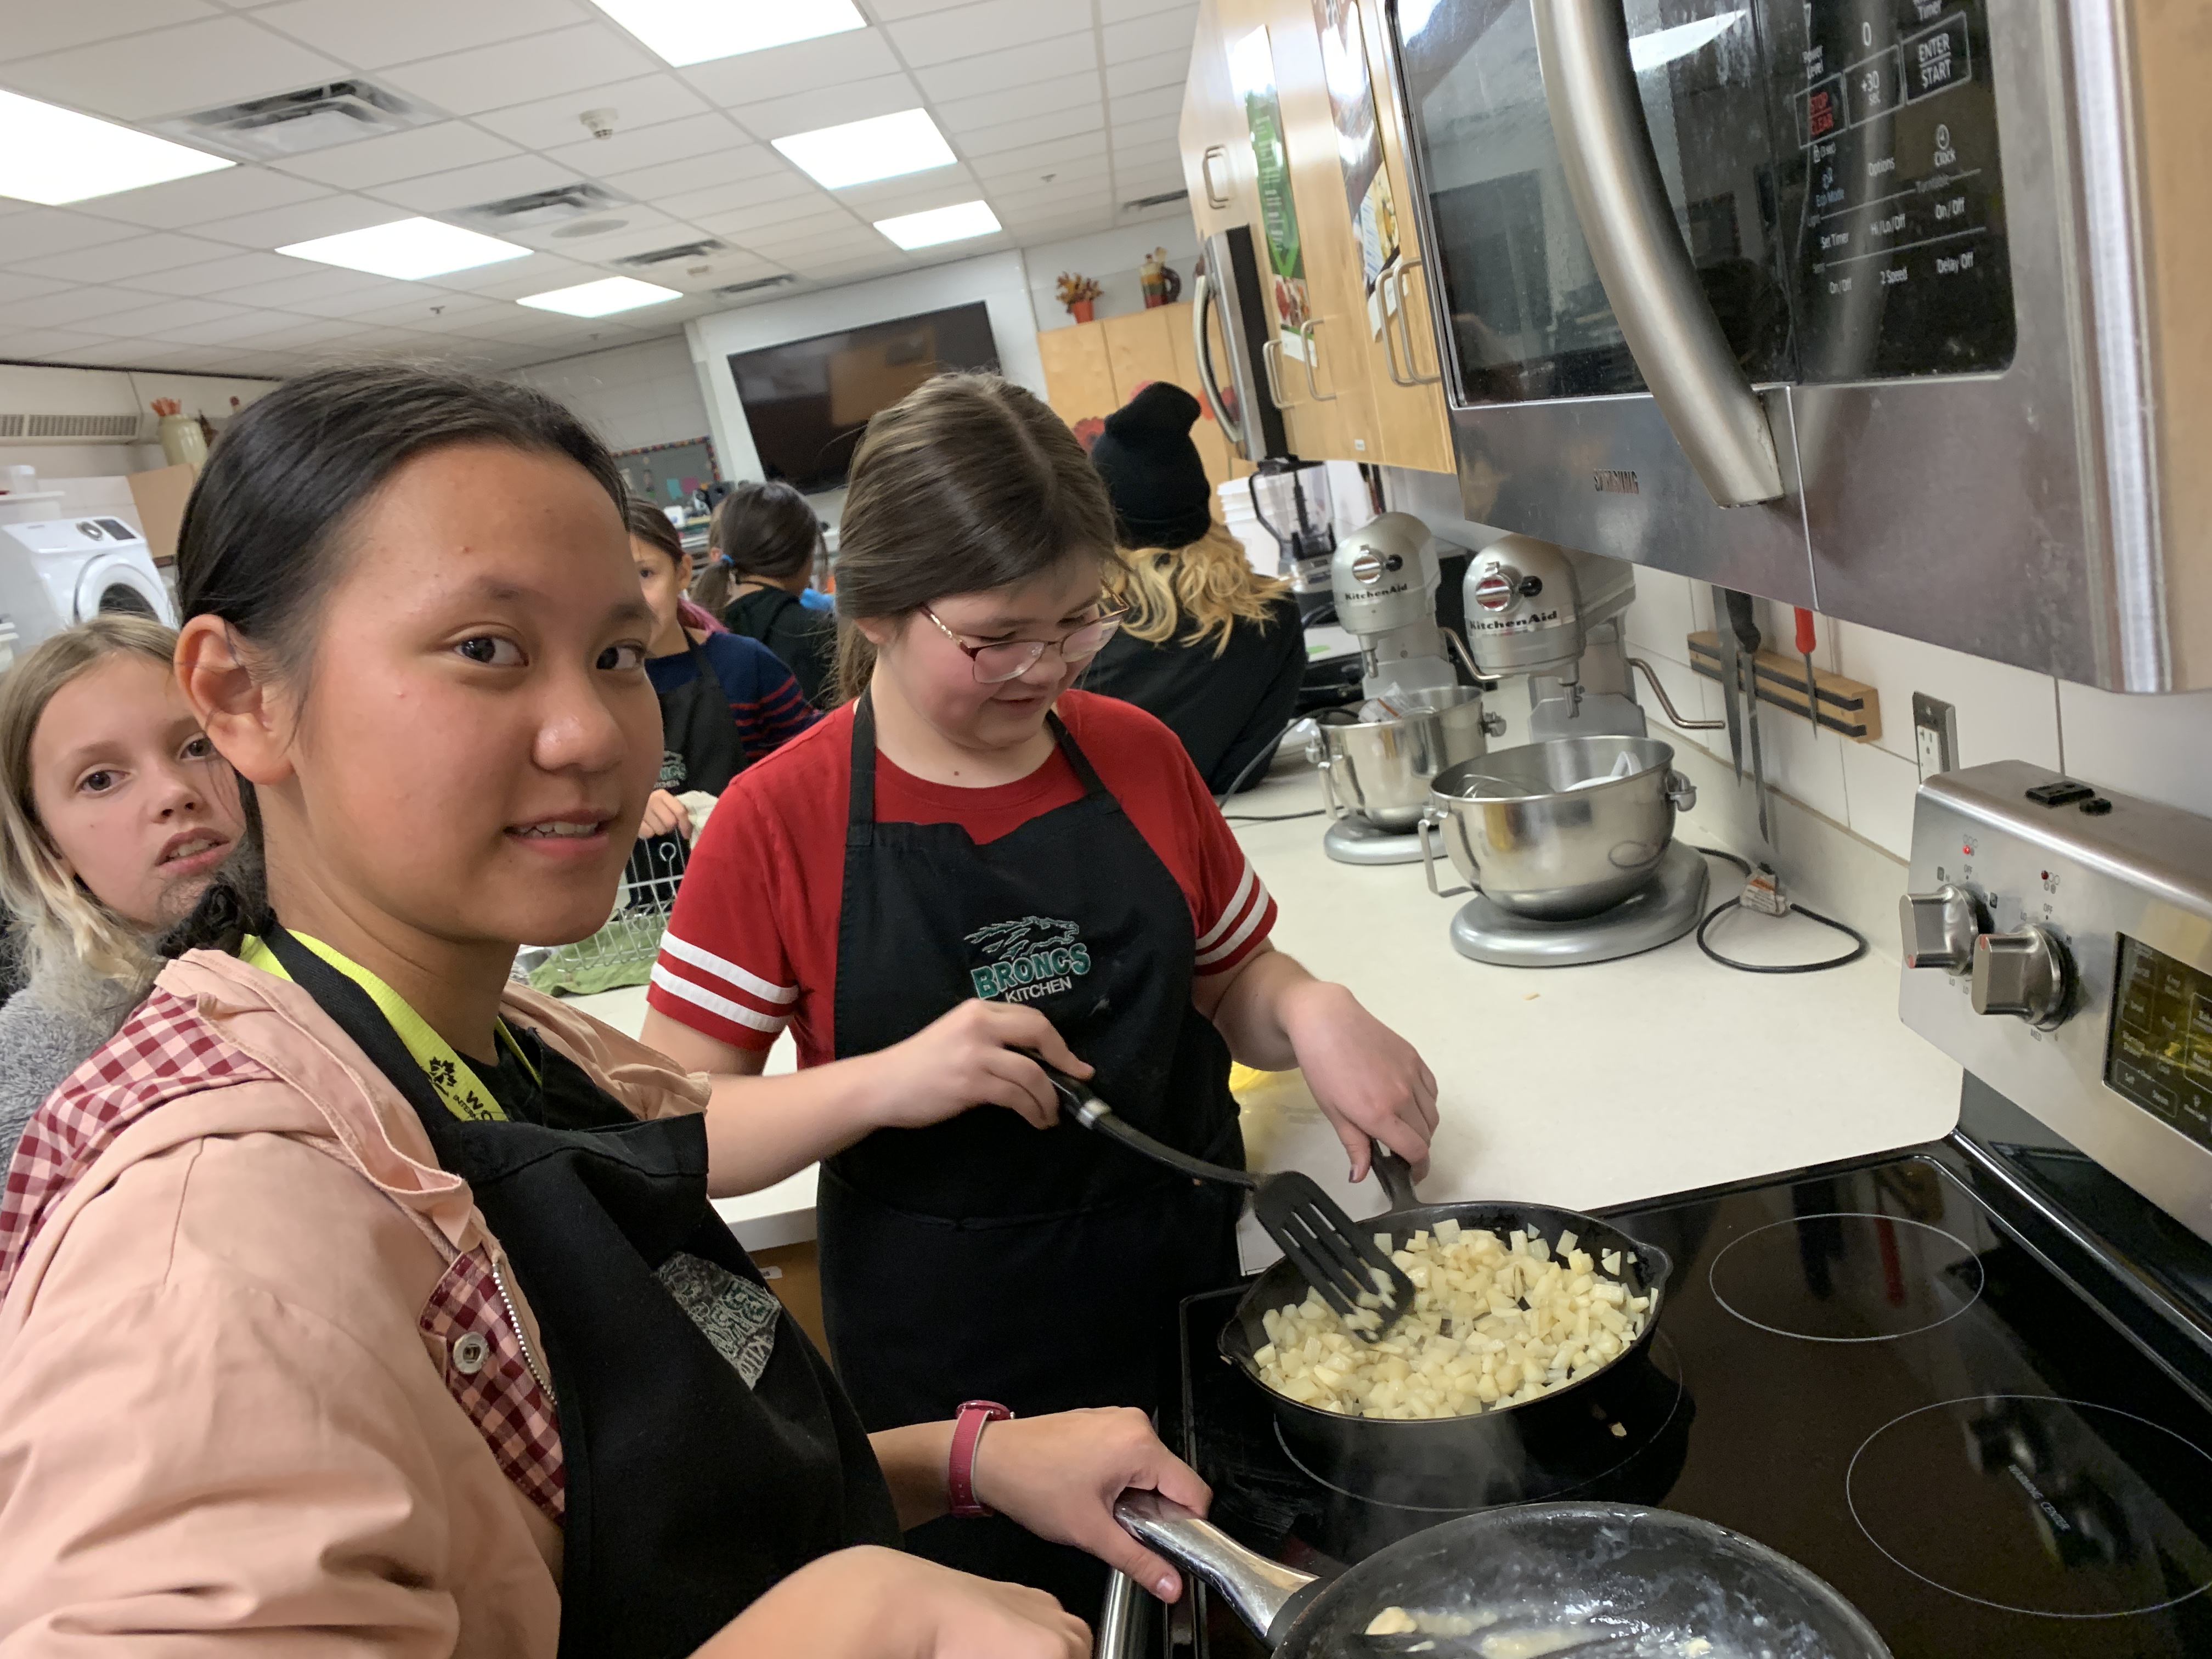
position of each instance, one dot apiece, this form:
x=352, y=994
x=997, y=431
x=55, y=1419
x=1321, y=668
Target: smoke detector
x=590, y=228
x=600, y=123
x=289, y=123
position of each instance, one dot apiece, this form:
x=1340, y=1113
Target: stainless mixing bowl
x=1515, y=824
x=1380, y=770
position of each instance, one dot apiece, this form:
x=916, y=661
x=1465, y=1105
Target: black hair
x=766, y=530
x=648, y=523
x=265, y=532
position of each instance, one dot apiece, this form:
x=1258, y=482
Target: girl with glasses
x=967, y=864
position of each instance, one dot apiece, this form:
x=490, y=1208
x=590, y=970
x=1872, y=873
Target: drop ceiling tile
x=104, y=354
x=1161, y=104
x=371, y=162
x=746, y=195
x=108, y=262
x=993, y=71
x=1116, y=11
x=465, y=187
x=216, y=276
x=1016, y=103
x=516, y=277
x=624, y=228
x=1150, y=160
x=856, y=101
x=536, y=67
x=638, y=102
x=738, y=161
x=894, y=11
x=136, y=77
x=245, y=329
x=40, y=344
x=826, y=62
x=325, y=215
x=1146, y=37
x=35, y=29
x=306, y=284
x=939, y=37
x=1070, y=150
x=164, y=314
x=796, y=232
x=632, y=148
x=912, y=192
x=435, y=313
x=853, y=270
x=288, y=335
x=1011, y=136
x=1087, y=197
x=400, y=30
x=184, y=203
x=14, y=288
x=41, y=231
x=1166, y=68
x=739, y=225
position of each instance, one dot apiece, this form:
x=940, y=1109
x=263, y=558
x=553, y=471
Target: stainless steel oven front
x=1866, y=304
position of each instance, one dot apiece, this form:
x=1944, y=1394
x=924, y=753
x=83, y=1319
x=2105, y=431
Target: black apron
x=689, y=1493
x=700, y=748
x=980, y=1257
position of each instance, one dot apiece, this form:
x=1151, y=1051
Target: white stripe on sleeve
x=1253, y=915
x=684, y=950
x=1234, y=908
x=722, y=1007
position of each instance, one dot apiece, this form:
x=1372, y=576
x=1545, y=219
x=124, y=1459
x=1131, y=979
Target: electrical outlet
x=1934, y=735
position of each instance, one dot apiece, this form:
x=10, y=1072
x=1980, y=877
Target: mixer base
x=1355, y=841
x=1655, y=915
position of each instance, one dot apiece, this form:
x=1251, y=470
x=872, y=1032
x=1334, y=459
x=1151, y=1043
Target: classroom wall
x=1111, y=257
x=632, y=395
x=55, y=389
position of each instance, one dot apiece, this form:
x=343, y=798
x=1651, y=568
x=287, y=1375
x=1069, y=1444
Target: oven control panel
x=2057, y=944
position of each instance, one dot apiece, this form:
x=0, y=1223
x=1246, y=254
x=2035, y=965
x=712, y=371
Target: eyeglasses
x=1011, y=659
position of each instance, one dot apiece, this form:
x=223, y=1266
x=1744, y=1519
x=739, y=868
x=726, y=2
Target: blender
x=1291, y=499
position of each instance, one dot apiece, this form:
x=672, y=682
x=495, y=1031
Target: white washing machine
x=56, y=572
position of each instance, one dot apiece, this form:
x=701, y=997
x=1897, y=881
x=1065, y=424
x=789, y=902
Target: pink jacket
x=231, y=1410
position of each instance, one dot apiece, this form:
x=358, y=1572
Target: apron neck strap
x=861, y=817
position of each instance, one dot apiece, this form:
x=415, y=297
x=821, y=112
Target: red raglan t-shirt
x=752, y=947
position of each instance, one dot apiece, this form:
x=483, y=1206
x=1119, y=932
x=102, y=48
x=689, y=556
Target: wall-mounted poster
x=1358, y=147
x=1252, y=78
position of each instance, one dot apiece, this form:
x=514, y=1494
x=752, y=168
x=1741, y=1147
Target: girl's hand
x=966, y=1058
x=665, y=816
x=1059, y=1476
x=871, y=1603
x=1366, y=1079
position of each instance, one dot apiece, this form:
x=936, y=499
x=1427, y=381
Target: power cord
x=1251, y=766
x=1763, y=880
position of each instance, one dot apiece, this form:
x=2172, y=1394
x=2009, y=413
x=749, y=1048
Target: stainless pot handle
x=1613, y=176
x=1264, y=1593
x=1201, y=301
x=1329, y=800
x=1681, y=794
x=1429, y=820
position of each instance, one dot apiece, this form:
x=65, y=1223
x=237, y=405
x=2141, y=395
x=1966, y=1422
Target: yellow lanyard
x=456, y=1082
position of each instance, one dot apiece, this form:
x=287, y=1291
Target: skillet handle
x=1267, y=1595
x=1396, y=1176
x=1077, y=1100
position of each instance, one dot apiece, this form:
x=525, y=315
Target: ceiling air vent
x=295, y=122
x=1160, y=200
x=758, y=283
x=661, y=256
x=538, y=208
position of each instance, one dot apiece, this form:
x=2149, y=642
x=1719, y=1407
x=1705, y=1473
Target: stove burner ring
x=1897, y=1287
x=2077, y=1523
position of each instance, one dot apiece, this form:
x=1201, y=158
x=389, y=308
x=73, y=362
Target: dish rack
x=623, y=949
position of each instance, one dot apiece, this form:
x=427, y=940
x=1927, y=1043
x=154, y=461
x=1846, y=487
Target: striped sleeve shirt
x=764, y=699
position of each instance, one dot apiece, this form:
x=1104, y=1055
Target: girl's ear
x=879, y=631
x=233, y=706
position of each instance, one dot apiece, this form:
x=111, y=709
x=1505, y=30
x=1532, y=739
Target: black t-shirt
x=805, y=639
x=1228, y=709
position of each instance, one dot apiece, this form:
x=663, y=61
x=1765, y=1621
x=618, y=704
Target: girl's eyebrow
x=499, y=590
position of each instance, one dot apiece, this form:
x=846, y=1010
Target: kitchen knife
x=1805, y=643
x=1724, y=640
x=1744, y=625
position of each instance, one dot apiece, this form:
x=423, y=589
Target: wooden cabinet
x=1078, y=379
x=1093, y=368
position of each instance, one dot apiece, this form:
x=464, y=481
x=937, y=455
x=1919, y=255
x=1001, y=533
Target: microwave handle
x=1612, y=175
x=1201, y=301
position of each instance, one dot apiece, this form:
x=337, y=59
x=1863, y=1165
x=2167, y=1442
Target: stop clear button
x=1495, y=591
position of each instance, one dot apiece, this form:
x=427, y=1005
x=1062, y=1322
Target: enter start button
x=1937, y=59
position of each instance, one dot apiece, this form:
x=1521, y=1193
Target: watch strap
x=960, y=1475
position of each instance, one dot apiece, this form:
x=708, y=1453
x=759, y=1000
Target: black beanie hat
x=1161, y=495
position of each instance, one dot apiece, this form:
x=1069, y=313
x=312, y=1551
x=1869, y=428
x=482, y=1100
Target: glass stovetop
x=1867, y=1369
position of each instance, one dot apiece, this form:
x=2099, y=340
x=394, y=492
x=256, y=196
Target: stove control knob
x=2026, y=973
x=1939, y=928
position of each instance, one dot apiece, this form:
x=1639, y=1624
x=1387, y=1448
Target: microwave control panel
x=1901, y=266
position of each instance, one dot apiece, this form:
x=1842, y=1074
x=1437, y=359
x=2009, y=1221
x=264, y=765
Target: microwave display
x=2158, y=1053
x=1896, y=193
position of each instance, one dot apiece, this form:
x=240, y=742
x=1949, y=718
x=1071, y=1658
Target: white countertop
x=1576, y=1087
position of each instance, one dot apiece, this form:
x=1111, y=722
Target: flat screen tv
x=807, y=401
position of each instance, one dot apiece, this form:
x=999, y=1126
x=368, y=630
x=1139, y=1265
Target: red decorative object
x=1081, y=310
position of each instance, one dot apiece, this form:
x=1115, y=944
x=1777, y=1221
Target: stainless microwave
x=1899, y=309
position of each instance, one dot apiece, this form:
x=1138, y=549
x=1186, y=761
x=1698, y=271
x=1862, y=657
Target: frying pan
x=1593, y=1570
x=1463, y=1462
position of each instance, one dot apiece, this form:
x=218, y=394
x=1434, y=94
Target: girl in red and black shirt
x=967, y=860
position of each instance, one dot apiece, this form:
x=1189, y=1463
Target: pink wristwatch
x=967, y=1430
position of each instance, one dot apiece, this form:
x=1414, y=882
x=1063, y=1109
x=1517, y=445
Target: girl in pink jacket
x=356, y=1298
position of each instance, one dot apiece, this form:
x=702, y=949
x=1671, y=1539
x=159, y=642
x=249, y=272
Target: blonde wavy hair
x=77, y=951
x=1209, y=585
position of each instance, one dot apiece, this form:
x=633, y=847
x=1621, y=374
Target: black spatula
x=1337, y=1256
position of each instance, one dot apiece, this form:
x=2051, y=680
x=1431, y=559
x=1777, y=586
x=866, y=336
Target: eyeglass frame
x=1111, y=619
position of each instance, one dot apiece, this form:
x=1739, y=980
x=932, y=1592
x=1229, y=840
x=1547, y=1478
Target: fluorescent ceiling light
x=1649, y=51
x=693, y=31
x=882, y=147
x=407, y=248
x=946, y=224
x=51, y=155
x=602, y=298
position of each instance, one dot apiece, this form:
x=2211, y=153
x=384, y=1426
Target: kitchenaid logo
x=1512, y=624
x=1037, y=957
x=1610, y=482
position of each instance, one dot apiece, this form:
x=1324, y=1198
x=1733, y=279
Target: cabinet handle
x=1613, y=175
x=1205, y=175
x=1413, y=375
x=1389, y=340
x=1274, y=380
x=1201, y=301
x=1312, y=335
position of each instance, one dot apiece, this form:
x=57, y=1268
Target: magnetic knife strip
x=1851, y=708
